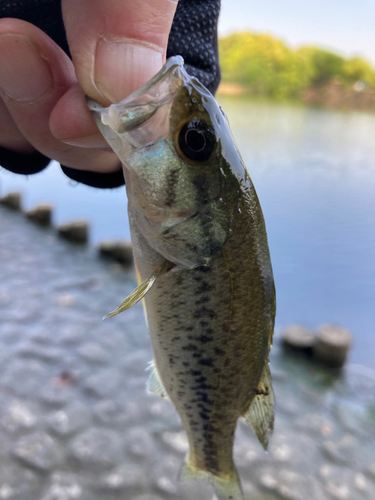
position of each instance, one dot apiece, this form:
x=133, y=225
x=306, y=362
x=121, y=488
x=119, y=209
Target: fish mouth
x=152, y=93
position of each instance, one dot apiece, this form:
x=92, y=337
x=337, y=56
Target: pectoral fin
x=154, y=383
x=139, y=292
x=261, y=413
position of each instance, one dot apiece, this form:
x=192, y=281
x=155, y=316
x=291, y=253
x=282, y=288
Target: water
x=76, y=422
x=314, y=171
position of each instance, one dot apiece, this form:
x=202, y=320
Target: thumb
x=117, y=45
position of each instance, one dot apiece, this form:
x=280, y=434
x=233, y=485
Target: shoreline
x=330, y=96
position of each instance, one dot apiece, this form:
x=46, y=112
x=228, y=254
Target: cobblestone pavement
x=76, y=421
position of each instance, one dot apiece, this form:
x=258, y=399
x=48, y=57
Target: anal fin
x=261, y=413
x=154, y=383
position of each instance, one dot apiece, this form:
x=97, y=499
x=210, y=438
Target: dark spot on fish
x=170, y=186
x=189, y=347
x=219, y=351
x=204, y=416
x=204, y=338
x=206, y=362
x=191, y=246
x=180, y=394
x=186, y=363
x=204, y=288
x=206, y=387
x=202, y=184
x=200, y=380
x=197, y=355
x=179, y=279
x=176, y=338
x=195, y=373
x=204, y=397
x=204, y=269
x=205, y=312
x=202, y=300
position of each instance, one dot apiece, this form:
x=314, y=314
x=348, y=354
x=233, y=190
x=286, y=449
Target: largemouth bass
x=202, y=258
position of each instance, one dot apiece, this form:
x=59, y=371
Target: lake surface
x=314, y=171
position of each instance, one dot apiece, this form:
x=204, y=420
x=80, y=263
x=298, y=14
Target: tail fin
x=226, y=487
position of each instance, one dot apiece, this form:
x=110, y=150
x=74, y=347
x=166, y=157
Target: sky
x=346, y=27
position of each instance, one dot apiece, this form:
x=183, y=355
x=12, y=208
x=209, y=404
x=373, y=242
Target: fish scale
x=203, y=264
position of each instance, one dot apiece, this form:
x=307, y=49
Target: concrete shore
x=76, y=421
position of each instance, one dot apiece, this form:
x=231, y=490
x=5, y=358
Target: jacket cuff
x=23, y=163
x=95, y=179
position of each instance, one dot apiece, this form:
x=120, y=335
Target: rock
x=76, y=231
x=28, y=349
x=165, y=485
x=109, y=413
x=354, y=418
x=147, y=497
x=41, y=214
x=177, y=440
x=103, y=384
x=63, y=486
x=93, y=352
x=119, y=250
x=70, y=419
x=140, y=442
x=56, y=394
x=18, y=482
x=332, y=345
x=122, y=478
x=97, y=449
x=18, y=416
x=37, y=450
x=341, y=452
x=370, y=471
x=25, y=377
x=298, y=338
x=314, y=424
x=12, y=200
x=345, y=484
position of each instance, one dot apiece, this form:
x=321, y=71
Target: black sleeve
x=193, y=36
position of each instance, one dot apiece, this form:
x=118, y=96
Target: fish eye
x=196, y=140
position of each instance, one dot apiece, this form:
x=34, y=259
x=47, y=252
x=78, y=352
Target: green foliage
x=268, y=67
x=357, y=69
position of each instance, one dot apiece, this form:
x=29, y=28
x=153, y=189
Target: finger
x=10, y=137
x=72, y=123
x=117, y=46
x=34, y=74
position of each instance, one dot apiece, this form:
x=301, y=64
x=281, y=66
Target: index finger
x=117, y=45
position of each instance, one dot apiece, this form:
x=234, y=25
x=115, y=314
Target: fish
x=203, y=266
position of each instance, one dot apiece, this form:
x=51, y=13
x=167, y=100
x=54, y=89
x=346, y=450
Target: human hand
x=116, y=46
